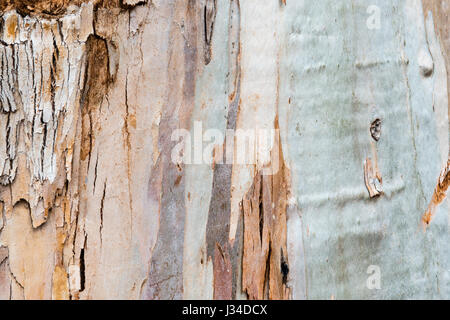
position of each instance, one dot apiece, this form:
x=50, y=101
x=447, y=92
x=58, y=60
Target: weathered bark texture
x=93, y=207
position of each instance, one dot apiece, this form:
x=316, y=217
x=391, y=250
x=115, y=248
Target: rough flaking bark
x=92, y=205
x=265, y=265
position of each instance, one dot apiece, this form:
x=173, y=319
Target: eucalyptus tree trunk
x=120, y=157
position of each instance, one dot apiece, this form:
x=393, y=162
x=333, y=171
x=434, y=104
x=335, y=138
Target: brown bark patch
x=60, y=284
x=58, y=7
x=47, y=7
x=97, y=79
x=222, y=274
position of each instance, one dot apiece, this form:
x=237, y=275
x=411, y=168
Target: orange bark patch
x=439, y=194
x=265, y=265
x=12, y=26
x=60, y=285
x=132, y=120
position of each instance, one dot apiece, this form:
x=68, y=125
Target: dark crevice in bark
x=102, y=202
x=82, y=270
x=261, y=213
x=209, y=16
x=284, y=267
x=266, y=294
x=96, y=83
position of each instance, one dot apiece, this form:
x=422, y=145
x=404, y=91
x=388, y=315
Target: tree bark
x=93, y=205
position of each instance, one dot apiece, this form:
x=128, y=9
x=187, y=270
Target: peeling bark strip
x=439, y=194
x=265, y=266
x=372, y=178
x=265, y=269
x=43, y=60
x=43, y=64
